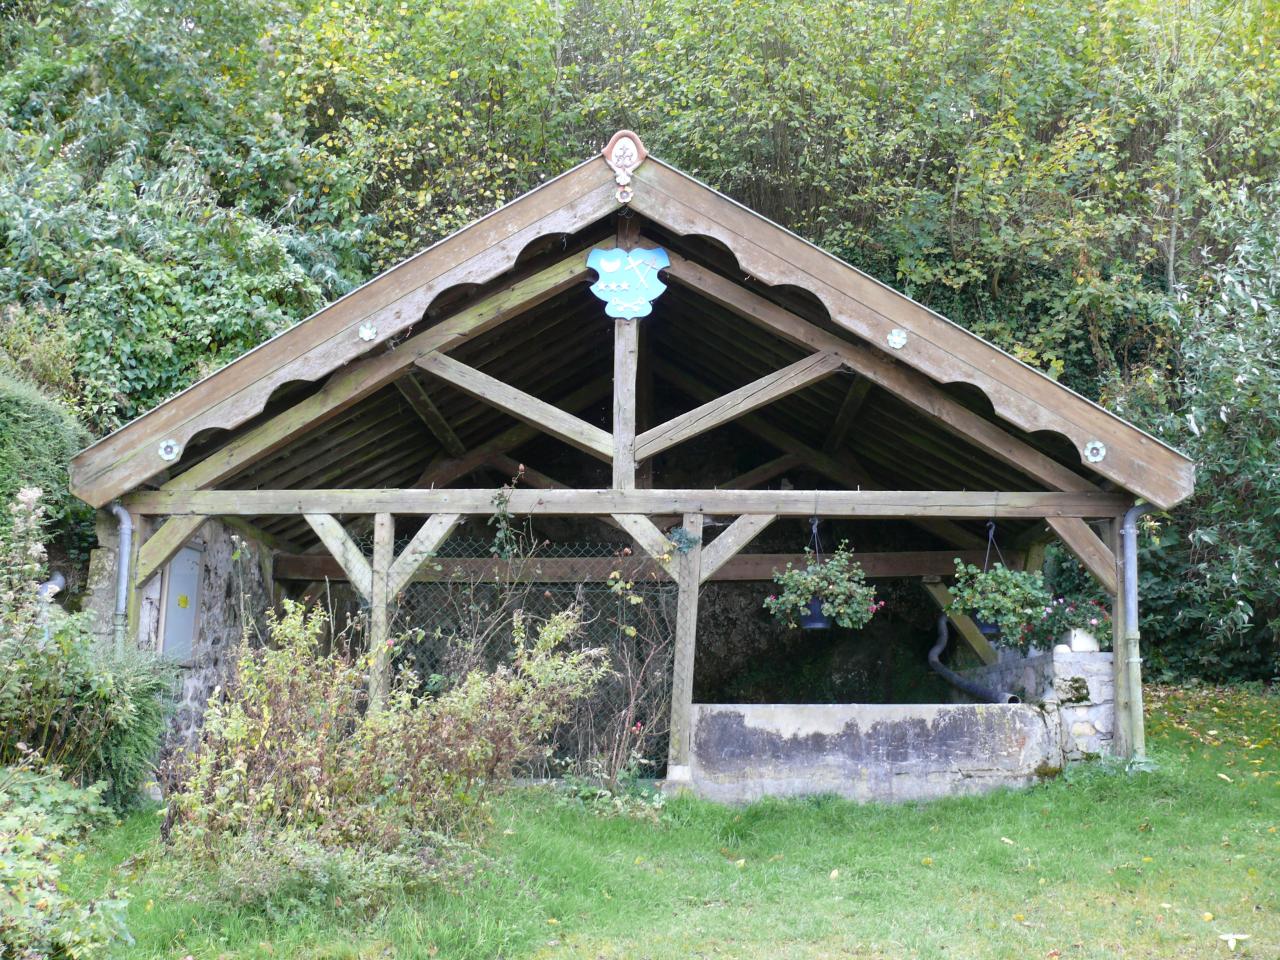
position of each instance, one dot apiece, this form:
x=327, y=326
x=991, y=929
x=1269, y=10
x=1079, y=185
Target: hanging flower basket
x=824, y=592
x=1020, y=607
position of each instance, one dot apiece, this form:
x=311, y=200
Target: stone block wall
x=1079, y=687
x=869, y=752
x=235, y=593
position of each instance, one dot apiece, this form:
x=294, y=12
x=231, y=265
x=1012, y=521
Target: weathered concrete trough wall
x=881, y=752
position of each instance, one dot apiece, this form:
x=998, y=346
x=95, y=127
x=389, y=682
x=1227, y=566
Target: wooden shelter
x=386, y=406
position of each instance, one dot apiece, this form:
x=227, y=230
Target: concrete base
x=892, y=752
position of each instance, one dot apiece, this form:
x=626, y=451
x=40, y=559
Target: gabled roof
x=358, y=342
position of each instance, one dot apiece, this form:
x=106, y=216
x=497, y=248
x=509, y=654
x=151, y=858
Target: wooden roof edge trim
x=1176, y=469
x=221, y=400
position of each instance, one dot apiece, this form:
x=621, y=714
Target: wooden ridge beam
x=744, y=567
x=416, y=396
x=870, y=504
x=736, y=403
x=521, y=405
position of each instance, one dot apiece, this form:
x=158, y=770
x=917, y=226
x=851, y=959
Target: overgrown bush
x=38, y=438
x=42, y=818
x=294, y=774
x=95, y=713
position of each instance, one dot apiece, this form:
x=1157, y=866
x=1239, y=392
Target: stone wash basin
x=878, y=752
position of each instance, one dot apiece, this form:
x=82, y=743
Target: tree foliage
x=179, y=181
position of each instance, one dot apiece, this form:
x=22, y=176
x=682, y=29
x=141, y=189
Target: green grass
x=1097, y=864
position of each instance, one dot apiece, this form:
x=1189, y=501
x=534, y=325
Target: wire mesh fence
x=462, y=620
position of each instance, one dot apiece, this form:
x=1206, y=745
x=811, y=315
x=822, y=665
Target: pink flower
x=1093, y=621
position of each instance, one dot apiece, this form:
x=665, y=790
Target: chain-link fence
x=462, y=620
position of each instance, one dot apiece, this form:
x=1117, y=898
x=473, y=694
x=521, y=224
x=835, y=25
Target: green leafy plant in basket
x=837, y=584
x=1027, y=612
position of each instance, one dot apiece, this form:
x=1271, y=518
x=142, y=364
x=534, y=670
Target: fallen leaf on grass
x=835, y=875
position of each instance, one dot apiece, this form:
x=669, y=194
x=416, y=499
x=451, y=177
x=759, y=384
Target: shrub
x=38, y=438
x=41, y=818
x=97, y=714
x=295, y=775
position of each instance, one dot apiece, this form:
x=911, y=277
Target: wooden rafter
x=357, y=381
x=388, y=305
x=767, y=471
x=849, y=409
x=736, y=403
x=912, y=387
x=939, y=350
x=869, y=504
x=521, y=405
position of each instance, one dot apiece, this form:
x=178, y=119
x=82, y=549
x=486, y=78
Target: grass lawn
x=1097, y=864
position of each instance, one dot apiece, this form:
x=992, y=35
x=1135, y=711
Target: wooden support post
x=645, y=396
x=133, y=605
x=163, y=544
x=1129, y=737
x=625, y=357
x=384, y=545
x=688, y=576
x=965, y=626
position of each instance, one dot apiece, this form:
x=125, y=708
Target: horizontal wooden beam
x=743, y=567
x=870, y=504
x=736, y=403
x=521, y=405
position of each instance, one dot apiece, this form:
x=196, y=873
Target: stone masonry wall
x=235, y=593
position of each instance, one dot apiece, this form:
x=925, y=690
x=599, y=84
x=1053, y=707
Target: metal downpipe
x=124, y=550
x=1132, y=652
x=961, y=683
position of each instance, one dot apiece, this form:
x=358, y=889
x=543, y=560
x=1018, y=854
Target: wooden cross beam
x=853, y=401
x=521, y=405
x=869, y=504
x=840, y=468
x=736, y=403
